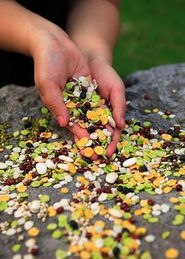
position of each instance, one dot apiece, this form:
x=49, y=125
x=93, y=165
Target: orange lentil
x=85, y=255
x=182, y=234
x=88, y=152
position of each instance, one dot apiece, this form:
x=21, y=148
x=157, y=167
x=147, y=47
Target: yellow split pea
x=101, y=135
x=104, y=119
x=21, y=188
x=64, y=190
x=91, y=115
x=99, y=150
x=46, y=134
x=99, y=111
x=71, y=168
x=82, y=142
x=174, y=200
x=166, y=137
x=4, y=197
x=171, y=253
x=70, y=105
x=33, y=232
x=51, y=212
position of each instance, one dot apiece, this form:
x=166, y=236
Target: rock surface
x=165, y=85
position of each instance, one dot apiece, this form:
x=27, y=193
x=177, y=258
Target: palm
x=53, y=67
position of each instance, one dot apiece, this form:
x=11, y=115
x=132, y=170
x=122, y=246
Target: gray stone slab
x=159, y=83
x=17, y=102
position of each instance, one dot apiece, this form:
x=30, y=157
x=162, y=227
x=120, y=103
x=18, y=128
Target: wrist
x=93, y=48
x=25, y=29
x=44, y=36
x=100, y=58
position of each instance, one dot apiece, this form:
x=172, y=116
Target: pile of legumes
x=90, y=111
x=97, y=217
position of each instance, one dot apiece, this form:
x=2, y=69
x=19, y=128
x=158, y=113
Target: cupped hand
x=56, y=60
x=112, y=89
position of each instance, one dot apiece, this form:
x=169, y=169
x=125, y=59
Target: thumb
x=50, y=94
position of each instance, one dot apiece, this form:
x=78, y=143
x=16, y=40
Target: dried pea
x=57, y=234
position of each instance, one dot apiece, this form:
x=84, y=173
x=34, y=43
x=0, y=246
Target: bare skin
x=57, y=57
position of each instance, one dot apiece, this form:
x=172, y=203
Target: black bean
x=182, y=158
x=124, y=132
x=137, y=123
x=83, y=95
x=88, y=160
x=27, y=124
x=124, y=230
x=173, y=133
x=42, y=129
x=127, y=190
x=120, y=188
x=87, y=105
x=116, y=251
x=73, y=224
x=84, y=109
x=91, y=129
x=28, y=144
x=143, y=168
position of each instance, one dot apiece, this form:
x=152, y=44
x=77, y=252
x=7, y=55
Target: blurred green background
x=152, y=33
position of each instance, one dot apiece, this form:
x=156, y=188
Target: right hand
x=56, y=60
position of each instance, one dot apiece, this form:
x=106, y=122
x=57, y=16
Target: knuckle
x=51, y=106
x=49, y=102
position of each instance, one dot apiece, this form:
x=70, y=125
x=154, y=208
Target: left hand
x=112, y=89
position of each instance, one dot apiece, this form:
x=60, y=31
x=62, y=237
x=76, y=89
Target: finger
x=76, y=139
x=112, y=146
x=117, y=99
x=50, y=94
x=109, y=128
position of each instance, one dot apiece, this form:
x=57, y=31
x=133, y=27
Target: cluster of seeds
x=91, y=112
x=98, y=217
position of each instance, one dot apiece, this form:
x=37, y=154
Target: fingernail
x=121, y=122
x=61, y=121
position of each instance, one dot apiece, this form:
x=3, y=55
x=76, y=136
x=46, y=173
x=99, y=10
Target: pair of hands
x=58, y=59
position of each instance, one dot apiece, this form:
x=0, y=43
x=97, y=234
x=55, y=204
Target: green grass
x=152, y=34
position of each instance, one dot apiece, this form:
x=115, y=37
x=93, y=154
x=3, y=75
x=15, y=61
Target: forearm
x=93, y=25
x=20, y=29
